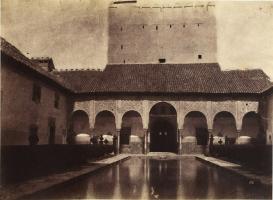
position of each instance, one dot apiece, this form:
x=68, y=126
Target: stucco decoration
x=199, y=106
x=127, y=105
x=109, y=105
x=82, y=105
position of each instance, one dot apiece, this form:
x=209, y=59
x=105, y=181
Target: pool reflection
x=140, y=178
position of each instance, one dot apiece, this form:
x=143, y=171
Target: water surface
x=150, y=178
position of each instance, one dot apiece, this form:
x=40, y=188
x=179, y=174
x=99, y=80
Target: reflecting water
x=144, y=178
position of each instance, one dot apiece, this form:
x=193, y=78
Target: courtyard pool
x=155, y=178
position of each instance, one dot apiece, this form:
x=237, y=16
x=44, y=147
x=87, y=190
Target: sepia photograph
x=136, y=99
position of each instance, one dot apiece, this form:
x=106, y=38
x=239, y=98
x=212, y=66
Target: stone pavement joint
x=237, y=169
x=20, y=190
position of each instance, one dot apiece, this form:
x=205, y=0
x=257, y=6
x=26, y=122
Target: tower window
x=184, y=25
x=123, y=61
x=121, y=46
x=170, y=26
x=162, y=60
x=121, y=28
x=143, y=26
x=199, y=56
x=156, y=27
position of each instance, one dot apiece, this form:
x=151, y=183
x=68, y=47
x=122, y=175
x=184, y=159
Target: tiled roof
x=168, y=78
x=81, y=80
x=11, y=51
x=151, y=78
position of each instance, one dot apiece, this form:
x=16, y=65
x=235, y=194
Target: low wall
x=193, y=148
x=257, y=156
x=23, y=162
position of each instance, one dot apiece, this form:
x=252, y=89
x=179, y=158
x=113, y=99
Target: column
x=179, y=133
x=148, y=141
x=210, y=142
x=117, y=147
x=238, y=134
x=145, y=141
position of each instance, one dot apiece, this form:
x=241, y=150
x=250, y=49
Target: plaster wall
x=18, y=111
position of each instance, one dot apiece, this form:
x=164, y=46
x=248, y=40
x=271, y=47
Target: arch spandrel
x=109, y=105
x=198, y=106
x=82, y=105
x=128, y=105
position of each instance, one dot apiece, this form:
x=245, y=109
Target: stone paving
x=19, y=190
x=252, y=176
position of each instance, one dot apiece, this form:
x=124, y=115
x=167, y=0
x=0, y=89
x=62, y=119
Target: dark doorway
x=202, y=136
x=163, y=128
x=163, y=136
x=125, y=134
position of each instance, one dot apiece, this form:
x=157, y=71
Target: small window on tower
x=199, y=56
x=121, y=29
x=156, y=27
x=121, y=46
x=124, y=61
x=143, y=26
x=162, y=60
x=184, y=25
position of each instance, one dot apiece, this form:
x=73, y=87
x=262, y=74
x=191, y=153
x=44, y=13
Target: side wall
x=19, y=112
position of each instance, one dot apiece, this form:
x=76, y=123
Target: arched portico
x=252, y=128
x=131, y=133
x=163, y=128
x=195, y=127
x=224, y=127
x=79, y=124
x=105, y=123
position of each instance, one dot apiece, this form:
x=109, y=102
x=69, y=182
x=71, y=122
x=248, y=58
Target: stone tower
x=161, y=31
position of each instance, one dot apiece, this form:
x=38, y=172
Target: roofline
x=268, y=90
x=29, y=69
x=168, y=94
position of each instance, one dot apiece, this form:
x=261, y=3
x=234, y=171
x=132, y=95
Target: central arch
x=163, y=128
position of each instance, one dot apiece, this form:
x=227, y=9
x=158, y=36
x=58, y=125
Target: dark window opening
x=184, y=25
x=121, y=28
x=36, y=93
x=121, y=46
x=170, y=26
x=156, y=27
x=52, y=129
x=125, y=134
x=33, y=138
x=162, y=60
x=143, y=26
x=56, y=100
x=123, y=61
x=199, y=56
